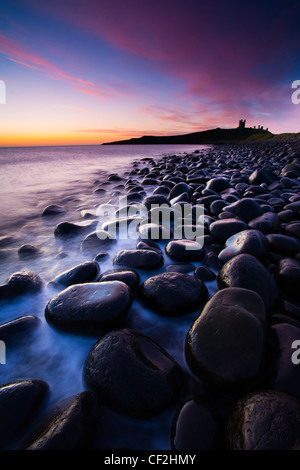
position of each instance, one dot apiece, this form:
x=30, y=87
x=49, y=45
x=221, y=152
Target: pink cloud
x=28, y=58
x=222, y=52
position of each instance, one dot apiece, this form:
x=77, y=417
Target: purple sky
x=101, y=70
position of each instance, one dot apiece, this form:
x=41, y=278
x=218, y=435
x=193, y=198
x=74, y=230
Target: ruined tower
x=242, y=123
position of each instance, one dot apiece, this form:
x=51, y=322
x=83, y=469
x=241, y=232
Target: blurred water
x=32, y=178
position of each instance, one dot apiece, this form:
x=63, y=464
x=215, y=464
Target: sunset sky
x=94, y=71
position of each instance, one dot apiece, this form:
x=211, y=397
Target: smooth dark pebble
x=132, y=374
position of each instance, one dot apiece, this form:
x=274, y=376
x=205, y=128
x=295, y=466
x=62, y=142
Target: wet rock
x=68, y=229
x=52, y=210
x=130, y=277
x=291, y=311
x=88, y=271
x=17, y=331
x=283, y=244
x=208, y=200
x=290, y=171
x=132, y=374
x=155, y=199
x=218, y=184
x=294, y=206
x=88, y=214
x=204, y=274
x=217, y=206
x=252, y=242
x=139, y=259
x=125, y=225
x=89, y=308
x=162, y=190
x=247, y=272
x=286, y=377
x=173, y=294
x=287, y=276
x=265, y=420
x=266, y=223
x=195, y=427
x=100, y=256
x=180, y=268
x=68, y=425
x=226, y=343
x=114, y=177
x=99, y=191
x=165, y=215
x=148, y=245
x=154, y=232
x=28, y=251
x=262, y=175
x=293, y=229
x=185, y=250
x=96, y=241
x=149, y=182
x=225, y=228
x=20, y=404
x=213, y=261
x=247, y=209
x=178, y=189
x=21, y=283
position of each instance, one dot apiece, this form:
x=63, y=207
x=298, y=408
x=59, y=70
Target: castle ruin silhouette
x=242, y=125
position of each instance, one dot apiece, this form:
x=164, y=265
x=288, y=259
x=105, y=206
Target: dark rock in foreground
x=283, y=244
x=20, y=403
x=286, y=370
x=265, y=223
x=17, y=331
x=204, y=274
x=68, y=229
x=96, y=241
x=195, y=427
x=154, y=200
x=180, y=268
x=130, y=277
x=226, y=343
x=265, y=420
x=89, y=308
x=287, y=276
x=153, y=231
x=185, y=250
x=139, y=259
x=28, y=251
x=87, y=271
x=246, y=209
x=247, y=272
x=69, y=425
x=52, y=210
x=173, y=294
x=252, y=242
x=20, y=283
x=132, y=374
x=225, y=228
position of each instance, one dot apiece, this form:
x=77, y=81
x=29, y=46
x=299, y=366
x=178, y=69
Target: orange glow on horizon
x=46, y=139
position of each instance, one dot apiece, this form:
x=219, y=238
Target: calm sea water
x=31, y=176
x=31, y=179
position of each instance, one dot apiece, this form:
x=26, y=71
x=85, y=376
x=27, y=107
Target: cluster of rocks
x=238, y=387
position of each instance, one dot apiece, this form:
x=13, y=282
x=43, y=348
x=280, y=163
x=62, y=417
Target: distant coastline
x=212, y=136
x=203, y=137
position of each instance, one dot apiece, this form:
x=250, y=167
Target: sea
x=31, y=178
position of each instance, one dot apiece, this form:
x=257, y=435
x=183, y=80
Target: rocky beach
x=154, y=341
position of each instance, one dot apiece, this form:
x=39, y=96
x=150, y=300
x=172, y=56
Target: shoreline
x=250, y=262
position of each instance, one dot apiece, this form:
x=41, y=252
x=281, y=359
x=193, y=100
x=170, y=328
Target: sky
x=94, y=71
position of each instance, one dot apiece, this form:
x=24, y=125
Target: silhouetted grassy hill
x=211, y=136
